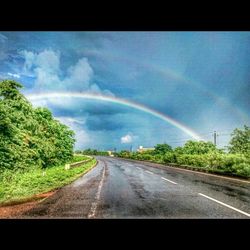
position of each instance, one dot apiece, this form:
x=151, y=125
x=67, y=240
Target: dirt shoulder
x=15, y=209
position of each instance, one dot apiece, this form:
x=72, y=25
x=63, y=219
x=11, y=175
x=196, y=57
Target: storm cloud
x=200, y=79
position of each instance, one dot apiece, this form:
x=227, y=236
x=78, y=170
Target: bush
x=214, y=160
x=169, y=158
x=242, y=169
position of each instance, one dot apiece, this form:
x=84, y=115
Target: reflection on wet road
x=118, y=188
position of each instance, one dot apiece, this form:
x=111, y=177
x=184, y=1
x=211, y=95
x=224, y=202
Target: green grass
x=18, y=186
x=77, y=158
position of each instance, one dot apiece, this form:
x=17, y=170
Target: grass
x=20, y=186
x=77, y=158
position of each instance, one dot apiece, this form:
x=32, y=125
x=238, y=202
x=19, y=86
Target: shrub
x=242, y=169
x=169, y=158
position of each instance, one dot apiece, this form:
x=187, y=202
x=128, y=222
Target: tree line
x=90, y=151
x=203, y=154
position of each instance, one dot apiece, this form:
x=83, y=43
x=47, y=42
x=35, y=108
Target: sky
x=158, y=87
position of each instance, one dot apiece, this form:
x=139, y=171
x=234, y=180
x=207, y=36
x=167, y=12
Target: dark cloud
x=103, y=123
x=181, y=74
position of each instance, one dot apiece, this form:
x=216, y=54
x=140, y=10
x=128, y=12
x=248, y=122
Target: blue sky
x=200, y=79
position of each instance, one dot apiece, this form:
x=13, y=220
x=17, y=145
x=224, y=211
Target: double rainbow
x=120, y=101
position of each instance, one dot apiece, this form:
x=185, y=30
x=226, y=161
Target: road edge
x=188, y=169
x=40, y=197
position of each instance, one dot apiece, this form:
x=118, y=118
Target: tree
x=162, y=149
x=240, y=141
x=196, y=147
x=30, y=136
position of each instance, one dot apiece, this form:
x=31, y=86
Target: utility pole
x=215, y=137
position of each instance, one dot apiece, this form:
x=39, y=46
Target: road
x=119, y=188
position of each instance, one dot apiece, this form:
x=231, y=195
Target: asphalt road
x=118, y=188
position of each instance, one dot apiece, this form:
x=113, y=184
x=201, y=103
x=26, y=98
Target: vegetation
x=77, y=158
x=34, y=147
x=240, y=141
x=92, y=152
x=202, y=155
x=30, y=137
x=22, y=185
x=162, y=149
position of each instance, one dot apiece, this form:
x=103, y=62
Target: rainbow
x=116, y=100
x=175, y=75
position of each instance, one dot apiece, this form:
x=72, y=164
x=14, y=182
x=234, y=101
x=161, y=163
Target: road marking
x=149, y=172
x=202, y=173
x=138, y=168
x=238, y=210
x=187, y=170
x=97, y=198
x=169, y=180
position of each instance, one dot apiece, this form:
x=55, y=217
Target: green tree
x=196, y=147
x=30, y=136
x=240, y=141
x=162, y=149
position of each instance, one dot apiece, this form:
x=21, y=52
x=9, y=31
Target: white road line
x=169, y=180
x=202, y=173
x=149, y=172
x=238, y=210
x=97, y=198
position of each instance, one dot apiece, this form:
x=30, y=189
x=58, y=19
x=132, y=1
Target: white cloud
x=128, y=138
x=29, y=60
x=48, y=60
x=69, y=120
x=13, y=75
x=81, y=73
x=45, y=66
x=81, y=135
x=40, y=103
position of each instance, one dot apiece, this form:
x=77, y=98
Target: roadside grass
x=77, y=158
x=18, y=186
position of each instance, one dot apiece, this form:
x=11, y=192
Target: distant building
x=142, y=149
x=110, y=153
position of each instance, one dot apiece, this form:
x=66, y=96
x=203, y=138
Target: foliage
x=162, y=149
x=16, y=185
x=77, y=158
x=92, y=152
x=240, y=141
x=242, y=169
x=206, y=157
x=30, y=137
x=196, y=147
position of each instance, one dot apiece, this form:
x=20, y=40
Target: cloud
x=70, y=120
x=46, y=68
x=103, y=123
x=81, y=73
x=128, y=138
x=76, y=124
x=13, y=75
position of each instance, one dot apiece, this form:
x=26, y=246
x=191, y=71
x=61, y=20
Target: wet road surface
x=119, y=188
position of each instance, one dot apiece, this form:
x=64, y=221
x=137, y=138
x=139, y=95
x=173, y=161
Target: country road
x=119, y=188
